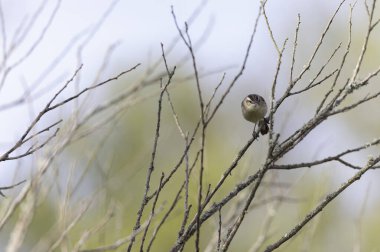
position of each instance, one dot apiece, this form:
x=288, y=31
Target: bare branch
x=152, y=161
x=269, y=28
x=322, y=205
x=123, y=240
x=328, y=159
x=10, y=187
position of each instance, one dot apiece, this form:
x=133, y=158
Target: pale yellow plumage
x=254, y=109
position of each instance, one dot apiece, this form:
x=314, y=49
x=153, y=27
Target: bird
x=254, y=109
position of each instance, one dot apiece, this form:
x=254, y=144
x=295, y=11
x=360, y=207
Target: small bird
x=254, y=109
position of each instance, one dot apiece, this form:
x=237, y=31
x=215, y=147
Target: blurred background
x=108, y=160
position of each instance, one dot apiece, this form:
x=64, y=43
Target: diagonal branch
x=322, y=205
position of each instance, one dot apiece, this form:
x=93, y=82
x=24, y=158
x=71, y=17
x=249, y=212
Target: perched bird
x=254, y=109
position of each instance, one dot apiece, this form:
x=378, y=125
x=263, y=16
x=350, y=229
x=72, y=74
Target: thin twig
x=152, y=161
x=152, y=212
x=10, y=187
x=328, y=159
x=322, y=205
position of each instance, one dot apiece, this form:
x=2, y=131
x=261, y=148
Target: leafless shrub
x=167, y=192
